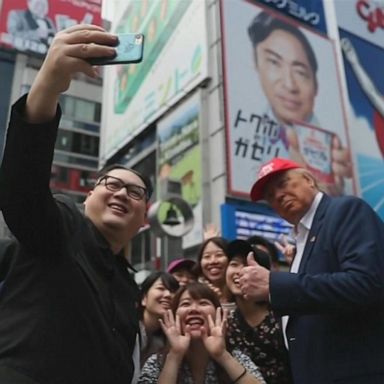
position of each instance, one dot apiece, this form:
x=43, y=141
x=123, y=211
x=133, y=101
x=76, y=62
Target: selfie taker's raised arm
x=66, y=56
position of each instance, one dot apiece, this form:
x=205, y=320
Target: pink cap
x=180, y=263
x=267, y=171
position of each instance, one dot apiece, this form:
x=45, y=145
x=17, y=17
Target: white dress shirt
x=300, y=234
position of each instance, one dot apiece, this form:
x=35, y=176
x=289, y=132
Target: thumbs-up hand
x=254, y=280
x=251, y=260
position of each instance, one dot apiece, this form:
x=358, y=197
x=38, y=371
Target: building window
x=80, y=109
x=77, y=143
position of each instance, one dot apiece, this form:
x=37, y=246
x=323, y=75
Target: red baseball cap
x=267, y=171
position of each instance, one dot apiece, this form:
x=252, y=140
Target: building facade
x=76, y=157
x=199, y=108
x=217, y=94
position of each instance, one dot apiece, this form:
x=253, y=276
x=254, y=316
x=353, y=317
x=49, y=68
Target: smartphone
x=129, y=49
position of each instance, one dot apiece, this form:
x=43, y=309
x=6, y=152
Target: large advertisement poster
x=282, y=98
x=175, y=61
x=29, y=25
x=362, y=43
x=179, y=158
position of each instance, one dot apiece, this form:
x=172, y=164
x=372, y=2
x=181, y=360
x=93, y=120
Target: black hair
x=148, y=185
x=197, y=291
x=166, y=278
x=219, y=241
x=241, y=248
x=271, y=248
x=264, y=24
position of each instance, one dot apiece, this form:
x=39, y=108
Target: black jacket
x=67, y=304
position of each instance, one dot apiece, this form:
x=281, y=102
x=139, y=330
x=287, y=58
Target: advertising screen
x=179, y=158
x=30, y=25
x=362, y=44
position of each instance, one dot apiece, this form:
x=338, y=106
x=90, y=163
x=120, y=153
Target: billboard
x=30, y=25
x=310, y=12
x=179, y=158
x=175, y=61
x=282, y=98
x=361, y=40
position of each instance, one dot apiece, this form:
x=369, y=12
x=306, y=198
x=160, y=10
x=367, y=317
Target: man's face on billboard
x=286, y=76
x=38, y=7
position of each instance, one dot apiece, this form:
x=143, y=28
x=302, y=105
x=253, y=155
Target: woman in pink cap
x=183, y=270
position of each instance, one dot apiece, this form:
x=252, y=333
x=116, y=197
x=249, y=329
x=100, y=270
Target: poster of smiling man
x=282, y=98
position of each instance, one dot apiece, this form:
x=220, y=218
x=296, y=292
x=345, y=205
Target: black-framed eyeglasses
x=114, y=184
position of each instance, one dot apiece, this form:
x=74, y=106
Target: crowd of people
x=251, y=332
x=72, y=313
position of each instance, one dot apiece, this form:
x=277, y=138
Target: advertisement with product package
x=179, y=158
x=282, y=98
x=175, y=61
x=361, y=39
x=30, y=25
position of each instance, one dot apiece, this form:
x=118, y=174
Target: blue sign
x=240, y=221
x=310, y=12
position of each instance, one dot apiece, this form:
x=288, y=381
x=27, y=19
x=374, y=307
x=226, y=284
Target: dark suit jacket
x=335, y=302
x=8, y=248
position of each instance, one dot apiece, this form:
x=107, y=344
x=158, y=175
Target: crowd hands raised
x=211, y=321
x=196, y=350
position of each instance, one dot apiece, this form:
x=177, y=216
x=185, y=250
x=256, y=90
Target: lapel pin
x=313, y=238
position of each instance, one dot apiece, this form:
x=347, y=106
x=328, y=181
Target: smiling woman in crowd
x=196, y=350
x=252, y=326
x=212, y=262
x=156, y=292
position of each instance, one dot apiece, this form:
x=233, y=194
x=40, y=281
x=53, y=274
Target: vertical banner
x=361, y=33
x=179, y=158
x=29, y=25
x=175, y=61
x=282, y=98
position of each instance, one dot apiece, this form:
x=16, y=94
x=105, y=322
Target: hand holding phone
x=129, y=49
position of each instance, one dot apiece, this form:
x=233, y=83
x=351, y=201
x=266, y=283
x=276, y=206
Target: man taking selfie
x=68, y=301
